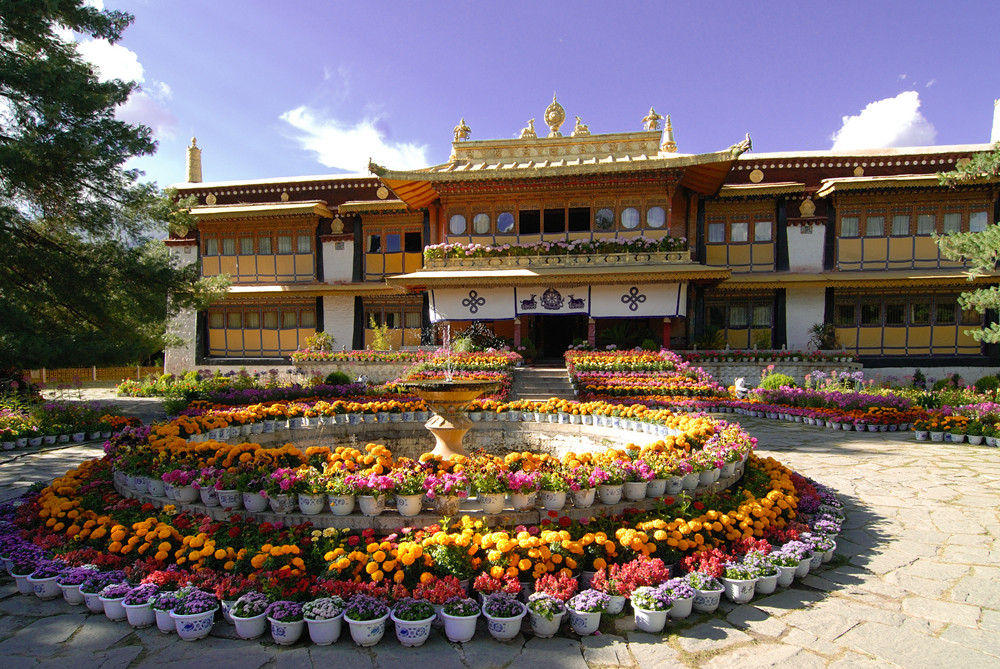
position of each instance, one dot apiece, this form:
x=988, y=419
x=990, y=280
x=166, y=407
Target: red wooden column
x=517, y=334
x=591, y=332
x=666, y=333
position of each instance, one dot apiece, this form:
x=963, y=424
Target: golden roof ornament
x=555, y=116
x=462, y=131
x=651, y=121
x=580, y=129
x=529, y=132
x=669, y=145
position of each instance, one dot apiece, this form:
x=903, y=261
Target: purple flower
x=285, y=611
x=589, y=601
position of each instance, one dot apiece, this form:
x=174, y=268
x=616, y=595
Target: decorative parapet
x=573, y=260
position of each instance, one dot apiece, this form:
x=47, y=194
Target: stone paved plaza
x=915, y=583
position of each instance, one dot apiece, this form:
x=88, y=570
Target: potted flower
x=765, y=572
x=71, y=578
x=607, y=581
x=371, y=490
x=460, y=616
x=546, y=614
x=91, y=588
x=522, y=486
x=205, y=485
x=683, y=595
x=739, y=581
x=366, y=616
x=194, y=614
x=137, y=605
x=561, y=585
x=610, y=482
x=311, y=491
x=504, y=614
x=43, y=579
x=250, y=483
x=585, y=611
x=553, y=487
x=163, y=603
x=447, y=490
x=486, y=585
x=974, y=432
x=638, y=474
x=708, y=591
x=323, y=616
x=408, y=487
x=802, y=550
x=249, y=614
x=487, y=477
x=182, y=481
x=413, y=618
x=339, y=494
x=112, y=597
x=225, y=489
x=282, y=486
x=582, y=486
x=286, y=621
x=651, y=604
x=786, y=565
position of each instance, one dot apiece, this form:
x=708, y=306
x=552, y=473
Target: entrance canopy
x=638, y=300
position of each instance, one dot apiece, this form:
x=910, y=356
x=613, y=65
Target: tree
x=83, y=278
x=981, y=249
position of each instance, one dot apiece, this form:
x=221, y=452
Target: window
x=411, y=319
x=849, y=226
x=738, y=316
x=412, y=242
x=530, y=221
x=211, y=246
x=307, y=318
x=579, y=219
x=656, y=217
x=900, y=225
x=920, y=313
x=234, y=320
x=630, y=218
x=952, y=223
x=895, y=313
x=977, y=221
x=871, y=312
x=392, y=319
x=762, y=231
x=304, y=244
x=216, y=320
x=228, y=246
x=738, y=232
x=944, y=313
x=246, y=246
x=271, y=320
x=875, y=226
x=251, y=320
x=846, y=315
x=374, y=243
x=481, y=224
x=505, y=222
x=716, y=317
x=284, y=244
x=762, y=315
x=971, y=317
x=555, y=220
x=604, y=219
x=926, y=224
x=392, y=243
x=456, y=224
x=264, y=245
x=289, y=320
x=716, y=233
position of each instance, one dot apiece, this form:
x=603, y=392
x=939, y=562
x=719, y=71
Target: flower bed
x=606, y=375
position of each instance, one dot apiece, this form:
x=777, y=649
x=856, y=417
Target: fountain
x=449, y=401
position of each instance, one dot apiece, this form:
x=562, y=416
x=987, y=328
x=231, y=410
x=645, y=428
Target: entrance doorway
x=554, y=334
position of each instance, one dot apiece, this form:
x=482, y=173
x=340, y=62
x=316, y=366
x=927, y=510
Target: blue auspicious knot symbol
x=633, y=299
x=473, y=301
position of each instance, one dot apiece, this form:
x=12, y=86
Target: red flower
x=698, y=505
x=353, y=540
x=669, y=501
x=553, y=514
x=565, y=521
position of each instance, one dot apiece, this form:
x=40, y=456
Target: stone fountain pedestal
x=449, y=401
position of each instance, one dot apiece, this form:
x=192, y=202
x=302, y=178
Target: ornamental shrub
x=775, y=381
x=987, y=384
x=337, y=379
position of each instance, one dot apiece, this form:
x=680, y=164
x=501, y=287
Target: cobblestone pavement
x=915, y=583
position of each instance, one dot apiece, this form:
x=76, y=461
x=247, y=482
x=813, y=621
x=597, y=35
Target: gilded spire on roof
x=652, y=120
x=462, y=131
x=193, y=162
x=669, y=145
x=555, y=116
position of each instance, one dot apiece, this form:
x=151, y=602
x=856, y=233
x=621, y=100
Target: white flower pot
x=785, y=575
x=610, y=494
x=828, y=555
x=706, y=477
x=340, y=505
x=920, y=435
x=447, y=505
x=728, y=469
x=371, y=505
x=367, y=632
x=674, y=485
x=155, y=487
x=185, y=494
x=325, y=632
x=164, y=622
x=635, y=490
x=505, y=629
x=522, y=501
x=252, y=627
x=615, y=605
x=803, y=568
x=409, y=505
x=412, y=633
x=552, y=500
x=544, y=628
x=690, y=481
x=45, y=588
x=72, y=594
x=492, y=502
x=583, y=622
x=230, y=499
x=113, y=608
x=283, y=503
x=707, y=601
x=254, y=502
x=459, y=629
x=139, y=615
x=583, y=499
x=93, y=602
x=209, y=496
x=681, y=608
x=286, y=633
x=739, y=591
x=650, y=621
x=193, y=626
x=656, y=488
x=767, y=584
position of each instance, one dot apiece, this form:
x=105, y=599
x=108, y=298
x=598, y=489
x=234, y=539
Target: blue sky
x=304, y=87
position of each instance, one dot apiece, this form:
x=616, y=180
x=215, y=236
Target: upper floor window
x=762, y=231
x=977, y=221
x=456, y=224
x=481, y=224
x=656, y=217
x=630, y=218
x=900, y=225
x=716, y=233
x=875, y=226
x=228, y=246
x=737, y=232
x=849, y=226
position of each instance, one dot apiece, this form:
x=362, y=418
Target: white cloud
x=348, y=147
x=113, y=61
x=886, y=123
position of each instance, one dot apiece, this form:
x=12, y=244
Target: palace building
x=569, y=237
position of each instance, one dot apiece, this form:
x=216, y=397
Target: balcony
x=562, y=260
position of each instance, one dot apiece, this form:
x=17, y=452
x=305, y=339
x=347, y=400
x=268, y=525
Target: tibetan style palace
x=566, y=237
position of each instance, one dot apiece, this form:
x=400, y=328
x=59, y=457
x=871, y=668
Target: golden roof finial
x=651, y=121
x=462, y=131
x=669, y=145
x=193, y=162
x=555, y=116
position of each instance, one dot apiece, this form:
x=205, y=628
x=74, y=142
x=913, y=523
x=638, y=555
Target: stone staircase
x=541, y=383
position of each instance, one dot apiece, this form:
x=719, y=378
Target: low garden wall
x=726, y=373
